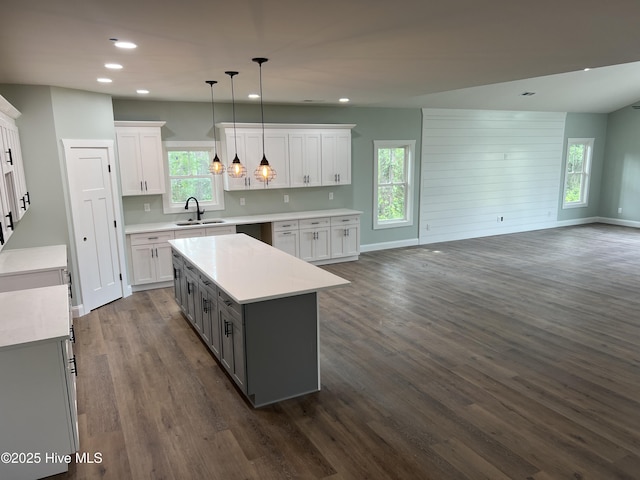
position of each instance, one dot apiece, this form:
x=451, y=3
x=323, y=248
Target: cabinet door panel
x=152, y=161
x=164, y=263
x=129, y=163
x=287, y=242
x=143, y=264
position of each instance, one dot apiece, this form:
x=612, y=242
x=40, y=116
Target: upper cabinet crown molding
x=8, y=109
x=139, y=123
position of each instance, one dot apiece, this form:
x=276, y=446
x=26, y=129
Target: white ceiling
x=403, y=53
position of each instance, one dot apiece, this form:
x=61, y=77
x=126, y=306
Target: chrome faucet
x=198, y=212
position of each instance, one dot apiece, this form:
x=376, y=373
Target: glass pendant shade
x=236, y=169
x=216, y=167
x=264, y=172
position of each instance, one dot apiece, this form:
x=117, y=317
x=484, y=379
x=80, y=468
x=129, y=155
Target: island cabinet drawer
x=224, y=301
x=150, y=237
x=315, y=222
x=285, y=225
x=345, y=220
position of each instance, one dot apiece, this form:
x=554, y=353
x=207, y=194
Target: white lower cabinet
x=38, y=408
x=286, y=237
x=345, y=236
x=150, y=254
x=315, y=241
x=151, y=257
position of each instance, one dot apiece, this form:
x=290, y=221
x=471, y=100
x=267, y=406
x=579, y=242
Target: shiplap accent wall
x=479, y=166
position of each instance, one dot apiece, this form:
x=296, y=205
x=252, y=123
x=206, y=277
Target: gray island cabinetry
x=256, y=308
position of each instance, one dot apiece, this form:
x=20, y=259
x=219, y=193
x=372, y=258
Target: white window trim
x=408, y=220
x=587, y=173
x=218, y=194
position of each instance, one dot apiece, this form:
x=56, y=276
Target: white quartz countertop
x=249, y=270
x=33, y=259
x=242, y=220
x=34, y=315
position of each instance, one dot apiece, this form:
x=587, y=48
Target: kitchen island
x=256, y=309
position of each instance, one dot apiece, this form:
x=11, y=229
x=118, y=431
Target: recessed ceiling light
x=344, y=100
x=105, y=80
x=586, y=69
x=254, y=96
x=142, y=91
x=125, y=45
x=113, y=66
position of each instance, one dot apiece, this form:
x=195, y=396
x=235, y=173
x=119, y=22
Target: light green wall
x=621, y=176
x=585, y=125
x=193, y=121
x=50, y=114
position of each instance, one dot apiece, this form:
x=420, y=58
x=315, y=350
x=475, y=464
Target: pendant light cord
x=233, y=109
x=262, y=109
x=213, y=118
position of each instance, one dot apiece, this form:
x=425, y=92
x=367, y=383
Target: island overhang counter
x=256, y=308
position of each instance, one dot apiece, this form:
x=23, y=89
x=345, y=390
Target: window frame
x=410, y=149
x=217, y=203
x=585, y=174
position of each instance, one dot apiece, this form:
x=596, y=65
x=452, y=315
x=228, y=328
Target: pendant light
x=263, y=173
x=216, y=167
x=236, y=169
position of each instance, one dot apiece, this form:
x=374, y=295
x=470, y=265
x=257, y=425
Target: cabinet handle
x=228, y=328
x=72, y=334
x=338, y=178
x=10, y=161
x=28, y=198
x=315, y=223
x=284, y=226
x=145, y=186
x=175, y=273
x=74, y=370
x=1, y=235
x=345, y=219
x=141, y=189
x=24, y=203
x=152, y=253
x=155, y=238
x=204, y=305
x=286, y=233
x=188, y=288
x=10, y=222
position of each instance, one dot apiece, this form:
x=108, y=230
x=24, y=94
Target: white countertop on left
x=33, y=259
x=34, y=315
x=249, y=270
x=240, y=220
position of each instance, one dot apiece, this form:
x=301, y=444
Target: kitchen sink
x=187, y=223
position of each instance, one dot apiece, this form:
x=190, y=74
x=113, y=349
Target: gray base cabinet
x=268, y=348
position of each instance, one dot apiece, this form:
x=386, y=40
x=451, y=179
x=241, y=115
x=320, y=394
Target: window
x=187, y=175
x=576, y=182
x=393, y=188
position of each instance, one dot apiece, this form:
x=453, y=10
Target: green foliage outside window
x=189, y=176
x=392, y=186
x=575, y=171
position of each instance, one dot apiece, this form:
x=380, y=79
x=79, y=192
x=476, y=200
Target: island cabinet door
x=192, y=294
x=178, y=280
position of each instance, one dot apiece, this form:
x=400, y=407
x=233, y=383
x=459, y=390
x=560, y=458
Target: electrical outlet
x=330, y=195
x=286, y=199
x=147, y=207
x=619, y=209
x=242, y=201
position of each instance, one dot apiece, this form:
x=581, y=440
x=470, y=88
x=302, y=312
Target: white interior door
x=94, y=226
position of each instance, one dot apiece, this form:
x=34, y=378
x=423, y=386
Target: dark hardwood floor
x=508, y=357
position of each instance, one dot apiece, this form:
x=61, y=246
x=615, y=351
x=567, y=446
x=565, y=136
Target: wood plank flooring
x=508, y=357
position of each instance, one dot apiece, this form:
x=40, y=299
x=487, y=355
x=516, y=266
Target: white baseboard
x=151, y=286
x=372, y=247
x=77, y=311
x=618, y=221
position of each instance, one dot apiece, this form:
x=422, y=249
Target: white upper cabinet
x=305, y=160
x=336, y=158
x=14, y=195
x=140, y=157
x=302, y=155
